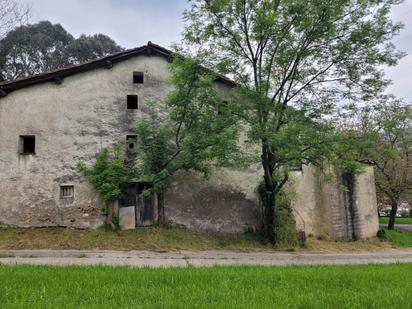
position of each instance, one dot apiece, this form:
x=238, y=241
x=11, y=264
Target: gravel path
x=403, y=227
x=201, y=258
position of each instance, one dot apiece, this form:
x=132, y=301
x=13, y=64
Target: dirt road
x=201, y=258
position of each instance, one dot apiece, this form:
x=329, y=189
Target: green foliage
x=109, y=175
x=193, y=132
x=87, y=47
x=381, y=135
x=296, y=61
x=35, y=48
x=285, y=225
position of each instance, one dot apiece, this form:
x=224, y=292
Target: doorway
x=143, y=206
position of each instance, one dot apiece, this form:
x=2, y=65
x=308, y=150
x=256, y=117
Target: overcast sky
x=132, y=23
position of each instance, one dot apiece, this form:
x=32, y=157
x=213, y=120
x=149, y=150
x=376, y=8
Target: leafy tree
x=32, y=49
x=195, y=131
x=12, y=14
x=393, y=156
x=110, y=177
x=90, y=47
x=381, y=135
x=311, y=55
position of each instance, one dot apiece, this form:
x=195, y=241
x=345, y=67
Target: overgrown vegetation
x=110, y=176
x=364, y=286
x=193, y=131
x=311, y=55
x=168, y=238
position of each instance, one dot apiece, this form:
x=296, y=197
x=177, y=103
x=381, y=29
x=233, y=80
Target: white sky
x=133, y=23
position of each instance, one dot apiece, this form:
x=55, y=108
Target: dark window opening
x=131, y=141
x=66, y=191
x=297, y=168
x=138, y=77
x=132, y=101
x=27, y=144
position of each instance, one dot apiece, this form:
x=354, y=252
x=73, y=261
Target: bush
x=287, y=235
x=381, y=234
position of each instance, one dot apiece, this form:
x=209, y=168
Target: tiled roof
x=59, y=73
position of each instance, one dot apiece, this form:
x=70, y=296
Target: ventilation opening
x=131, y=141
x=27, y=144
x=138, y=77
x=132, y=101
x=66, y=192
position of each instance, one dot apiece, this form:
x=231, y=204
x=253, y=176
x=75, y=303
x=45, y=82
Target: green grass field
x=366, y=286
x=399, y=238
x=385, y=220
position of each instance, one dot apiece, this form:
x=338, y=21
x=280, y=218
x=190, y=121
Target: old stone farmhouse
x=50, y=122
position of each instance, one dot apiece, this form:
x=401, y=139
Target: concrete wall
x=74, y=120
x=324, y=205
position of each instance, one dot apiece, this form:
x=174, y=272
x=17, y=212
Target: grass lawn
x=366, y=286
x=385, y=220
x=399, y=238
x=156, y=239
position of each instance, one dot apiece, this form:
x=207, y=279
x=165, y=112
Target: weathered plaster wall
x=226, y=202
x=324, y=205
x=71, y=122
x=74, y=120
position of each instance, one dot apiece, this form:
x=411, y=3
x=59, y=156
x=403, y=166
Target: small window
x=138, y=77
x=27, y=144
x=131, y=141
x=297, y=168
x=66, y=191
x=132, y=101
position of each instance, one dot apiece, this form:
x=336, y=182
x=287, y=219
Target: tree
x=12, y=14
x=90, y=47
x=381, y=135
x=307, y=54
x=194, y=132
x=33, y=49
x=393, y=156
x=110, y=177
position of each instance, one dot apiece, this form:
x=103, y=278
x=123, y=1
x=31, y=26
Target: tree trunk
x=270, y=214
x=160, y=208
x=392, y=216
x=269, y=194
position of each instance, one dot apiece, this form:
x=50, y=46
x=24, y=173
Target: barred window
x=66, y=191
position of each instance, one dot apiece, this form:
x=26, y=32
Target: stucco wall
x=72, y=121
x=322, y=202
